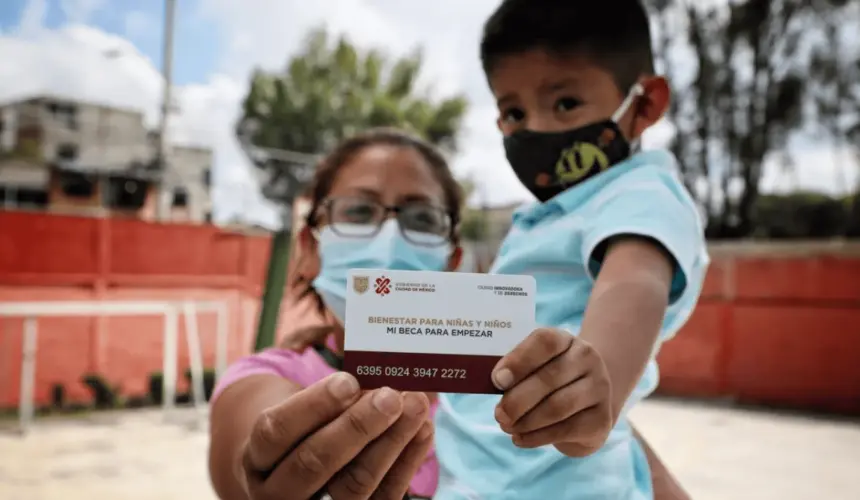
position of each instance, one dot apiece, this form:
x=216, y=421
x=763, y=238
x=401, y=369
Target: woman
x=285, y=423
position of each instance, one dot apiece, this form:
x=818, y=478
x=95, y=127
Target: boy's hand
x=557, y=391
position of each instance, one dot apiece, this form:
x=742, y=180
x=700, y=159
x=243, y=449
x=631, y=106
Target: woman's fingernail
x=503, y=379
x=387, y=401
x=343, y=386
x=425, y=432
x=413, y=405
x=501, y=416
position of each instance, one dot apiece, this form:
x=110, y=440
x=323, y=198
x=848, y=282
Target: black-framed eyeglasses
x=421, y=223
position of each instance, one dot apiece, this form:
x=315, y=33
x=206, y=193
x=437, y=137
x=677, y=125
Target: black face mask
x=548, y=163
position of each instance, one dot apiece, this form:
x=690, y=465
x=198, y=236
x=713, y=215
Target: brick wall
x=777, y=324
x=52, y=257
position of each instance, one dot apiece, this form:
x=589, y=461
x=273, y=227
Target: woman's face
x=388, y=175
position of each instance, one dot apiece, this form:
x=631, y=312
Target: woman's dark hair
x=328, y=168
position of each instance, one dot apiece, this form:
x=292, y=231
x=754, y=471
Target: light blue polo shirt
x=554, y=242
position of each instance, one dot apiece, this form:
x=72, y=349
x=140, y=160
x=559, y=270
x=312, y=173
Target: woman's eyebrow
x=415, y=197
x=364, y=192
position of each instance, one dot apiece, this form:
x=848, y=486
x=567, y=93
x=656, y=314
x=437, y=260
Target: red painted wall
x=51, y=257
x=777, y=323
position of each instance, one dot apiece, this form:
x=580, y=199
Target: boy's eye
x=513, y=115
x=566, y=104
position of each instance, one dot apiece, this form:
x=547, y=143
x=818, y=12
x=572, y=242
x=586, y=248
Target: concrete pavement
x=731, y=454
x=718, y=454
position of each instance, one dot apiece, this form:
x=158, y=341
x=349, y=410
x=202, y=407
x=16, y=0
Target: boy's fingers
x=282, y=427
x=587, y=423
x=561, y=405
x=536, y=350
x=525, y=396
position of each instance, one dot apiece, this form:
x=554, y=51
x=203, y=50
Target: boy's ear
x=655, y=100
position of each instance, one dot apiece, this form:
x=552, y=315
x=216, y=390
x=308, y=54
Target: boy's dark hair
x=614, y=34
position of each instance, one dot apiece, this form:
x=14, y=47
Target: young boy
x=615, y=244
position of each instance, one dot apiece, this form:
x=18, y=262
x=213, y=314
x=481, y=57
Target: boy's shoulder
x=647, y=176
x=653, y=172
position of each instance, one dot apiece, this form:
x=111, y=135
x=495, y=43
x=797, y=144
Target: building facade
x=67, y=156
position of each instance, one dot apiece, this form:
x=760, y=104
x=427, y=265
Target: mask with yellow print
x=548, y=163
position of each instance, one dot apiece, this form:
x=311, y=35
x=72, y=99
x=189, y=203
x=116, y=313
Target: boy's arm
x=625, y=311
x=643, y=245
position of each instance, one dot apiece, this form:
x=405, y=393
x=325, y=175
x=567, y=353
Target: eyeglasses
x=420, y=223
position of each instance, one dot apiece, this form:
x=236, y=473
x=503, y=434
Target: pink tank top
x=305, y=369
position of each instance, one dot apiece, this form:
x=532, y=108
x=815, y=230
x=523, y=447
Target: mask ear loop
x=635, y=92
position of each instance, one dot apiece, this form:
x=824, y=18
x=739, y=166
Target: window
x=125, y=193
x=25, y=197
x=71, y=118
x=180, y=198
x=64, y=113
x=77, y=185
x=207, y=177
x=67, y=152
x=208, y=217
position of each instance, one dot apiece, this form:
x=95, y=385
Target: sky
x=109, y=51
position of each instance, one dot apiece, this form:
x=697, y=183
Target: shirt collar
x=533, y=213
x=568, y=200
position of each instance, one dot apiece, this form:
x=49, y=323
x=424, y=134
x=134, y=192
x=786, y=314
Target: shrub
x=104, y=395
x=208, y=381
x=156, y=387
x=800, y=215
x=58, y=396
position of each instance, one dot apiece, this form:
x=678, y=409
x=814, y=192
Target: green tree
x=800, y=215
x=329, y=91
x=763, y=72
x=474, y=225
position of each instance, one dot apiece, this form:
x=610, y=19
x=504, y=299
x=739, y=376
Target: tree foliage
x=332, y=90
x=474, y=225
x=764, y=73
x=800, y=215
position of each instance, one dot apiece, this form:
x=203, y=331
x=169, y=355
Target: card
x=433, y=331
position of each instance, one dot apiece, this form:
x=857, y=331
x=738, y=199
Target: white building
x=70, y=156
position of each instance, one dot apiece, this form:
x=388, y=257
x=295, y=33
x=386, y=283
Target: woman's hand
x=332, y=437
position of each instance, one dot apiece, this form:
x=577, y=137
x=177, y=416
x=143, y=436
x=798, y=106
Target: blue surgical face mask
x=387, y=250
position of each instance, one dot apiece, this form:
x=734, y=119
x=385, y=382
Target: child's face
x=542, y=92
